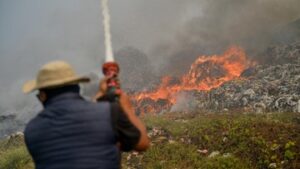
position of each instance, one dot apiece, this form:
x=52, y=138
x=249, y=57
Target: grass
x=14, y=154
x=180, y=140
x=253, y=141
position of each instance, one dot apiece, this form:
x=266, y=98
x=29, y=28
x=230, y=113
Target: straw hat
x=54, y=74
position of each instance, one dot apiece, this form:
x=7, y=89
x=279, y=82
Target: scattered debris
x=273, y=165
x=204, y=151
x=214, y=154
x=226, y=155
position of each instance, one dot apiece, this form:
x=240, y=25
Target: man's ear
x=42, y=96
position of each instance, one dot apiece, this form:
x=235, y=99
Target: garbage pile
x=281, y=54
x=272, y=87
x=264, y=89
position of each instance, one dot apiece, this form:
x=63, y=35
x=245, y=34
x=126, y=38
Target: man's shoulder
x=87, y=107
x=102, y=104
x=97, y=105
x=90, y=103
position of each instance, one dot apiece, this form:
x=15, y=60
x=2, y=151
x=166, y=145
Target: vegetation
x=14, y=155
x=205, y=141
x=216, y=141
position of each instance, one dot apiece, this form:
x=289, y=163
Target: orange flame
x=206, y=73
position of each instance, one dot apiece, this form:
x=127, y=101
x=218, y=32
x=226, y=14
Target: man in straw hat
x=71, y=133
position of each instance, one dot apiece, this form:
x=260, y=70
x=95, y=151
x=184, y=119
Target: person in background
x=72, y=133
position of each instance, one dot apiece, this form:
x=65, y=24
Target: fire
x=206, y=73
x=231, y=64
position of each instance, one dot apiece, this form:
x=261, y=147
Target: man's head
x=56, y=76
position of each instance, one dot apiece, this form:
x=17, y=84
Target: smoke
x=220, y=24
x=106, y=23
x=136, y=72
x=184, y=103
x=33, y=33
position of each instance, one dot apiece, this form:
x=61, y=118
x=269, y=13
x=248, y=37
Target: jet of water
x=106, y=23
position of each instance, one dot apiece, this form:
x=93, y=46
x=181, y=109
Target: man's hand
x=102, y=89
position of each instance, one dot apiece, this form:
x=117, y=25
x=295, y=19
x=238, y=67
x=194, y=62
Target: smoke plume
x=216, y=25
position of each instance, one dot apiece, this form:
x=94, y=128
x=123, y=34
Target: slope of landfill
x=271, y=87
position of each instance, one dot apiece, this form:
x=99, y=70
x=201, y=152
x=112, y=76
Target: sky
x=34, y=32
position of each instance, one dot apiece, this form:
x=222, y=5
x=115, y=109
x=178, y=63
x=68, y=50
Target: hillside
x=208, y=141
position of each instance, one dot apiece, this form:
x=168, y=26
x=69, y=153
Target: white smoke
x=106, y=23
x=184, y=102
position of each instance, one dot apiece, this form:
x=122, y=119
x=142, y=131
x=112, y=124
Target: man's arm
x=128, y=135
x=128, y=109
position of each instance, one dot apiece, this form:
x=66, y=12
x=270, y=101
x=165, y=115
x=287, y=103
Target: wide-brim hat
x=52, y=75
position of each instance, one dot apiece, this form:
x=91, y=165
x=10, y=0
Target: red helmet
x=108, y=65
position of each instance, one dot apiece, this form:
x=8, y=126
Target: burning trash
x=231, y=82
x=206, y=73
